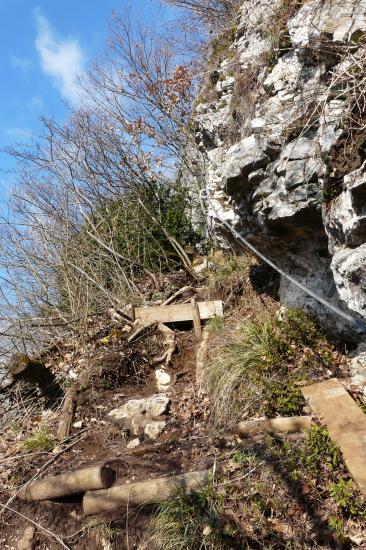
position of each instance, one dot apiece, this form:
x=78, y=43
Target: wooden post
x=196, y=319
x=67, y=412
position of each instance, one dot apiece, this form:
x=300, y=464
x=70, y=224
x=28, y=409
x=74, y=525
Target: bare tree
x=93, y=207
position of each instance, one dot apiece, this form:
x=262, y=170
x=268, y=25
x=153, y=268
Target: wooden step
x=345, y=422
x=178, y=312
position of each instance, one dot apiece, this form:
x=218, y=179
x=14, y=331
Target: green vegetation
x=254, y=502
x=215, y=324
x=276, y=29
x=138, y=230
x=262, y=372
x=348, y=501
x=320, y=451
x=40, y=441
x=194, y=521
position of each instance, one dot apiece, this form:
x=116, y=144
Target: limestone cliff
x=281, y=124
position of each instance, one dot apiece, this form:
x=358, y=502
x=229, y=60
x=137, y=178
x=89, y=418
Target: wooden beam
x=178, y=312
x=345, y=422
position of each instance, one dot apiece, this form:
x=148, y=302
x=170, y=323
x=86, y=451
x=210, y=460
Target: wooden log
x=141, y=493
x=67, y=412
x=72, y=483
x=291, y=424
x=345, y=422
x=196, y=319
x=178, y=312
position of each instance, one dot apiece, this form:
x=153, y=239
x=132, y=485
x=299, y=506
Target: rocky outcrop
x=292, y=179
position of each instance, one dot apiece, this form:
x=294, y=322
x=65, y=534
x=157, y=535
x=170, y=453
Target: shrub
x=40, y=441
x=135, y=231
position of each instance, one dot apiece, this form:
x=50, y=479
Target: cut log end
x=72, y=483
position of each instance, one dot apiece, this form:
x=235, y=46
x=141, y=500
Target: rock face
x=283, y=145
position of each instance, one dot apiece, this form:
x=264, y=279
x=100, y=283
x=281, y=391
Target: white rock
x=133, y=443
x=349, y=271
x=78, y=424
x=337, y=18
x=157, y=405
x=153, y=429
x=257, y=123
x=136, y=413
x=163, y=379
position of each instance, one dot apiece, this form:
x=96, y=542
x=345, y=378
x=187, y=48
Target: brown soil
x=109, y=374
x=183, y=446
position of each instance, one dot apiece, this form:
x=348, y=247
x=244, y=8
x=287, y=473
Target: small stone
x=153, y=429
x=279, y=85
x=79, y=424
x=207, y=531
x=257, y=123
x=133, y=443
x=163, y=379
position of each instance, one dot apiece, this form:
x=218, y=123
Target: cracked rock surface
x=274, y=181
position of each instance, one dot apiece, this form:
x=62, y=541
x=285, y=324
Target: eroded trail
x=161, y=411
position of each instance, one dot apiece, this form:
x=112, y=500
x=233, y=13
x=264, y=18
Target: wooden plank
x=196, y=319
x=178, y=312
x=345, y=422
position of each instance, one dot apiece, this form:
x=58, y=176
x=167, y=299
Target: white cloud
x=62, y=59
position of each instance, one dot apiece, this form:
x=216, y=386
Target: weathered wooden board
x=345, y=422
x=179, y=312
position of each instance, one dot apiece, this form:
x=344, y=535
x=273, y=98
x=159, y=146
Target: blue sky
x=43, y=45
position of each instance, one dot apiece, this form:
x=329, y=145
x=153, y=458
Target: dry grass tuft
x=262, y=370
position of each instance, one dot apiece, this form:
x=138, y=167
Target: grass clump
x=215, y=324
x=194, y=521
x=262, y=372
x=40, y=441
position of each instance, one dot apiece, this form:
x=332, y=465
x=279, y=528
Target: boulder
x=136, y=414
